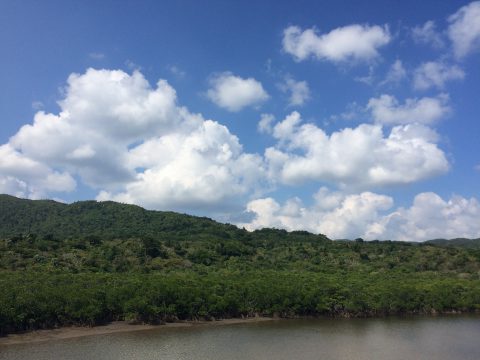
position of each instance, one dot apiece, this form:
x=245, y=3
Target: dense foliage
x=106, y=220
x=459, y=242
x=90, y=263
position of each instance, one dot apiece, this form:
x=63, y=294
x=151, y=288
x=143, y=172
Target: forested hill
x=111, y=220
x=91, y=262
x=106, y=220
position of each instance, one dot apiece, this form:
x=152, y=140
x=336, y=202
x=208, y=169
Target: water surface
x=439, y=338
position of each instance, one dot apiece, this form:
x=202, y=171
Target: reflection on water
x=450, y=337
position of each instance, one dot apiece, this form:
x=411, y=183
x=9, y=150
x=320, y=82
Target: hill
x=106, y=219
x=93, y=262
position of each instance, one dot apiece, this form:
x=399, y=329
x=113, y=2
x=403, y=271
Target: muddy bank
x=114, y=327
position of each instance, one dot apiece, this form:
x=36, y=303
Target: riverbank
x=114, y=327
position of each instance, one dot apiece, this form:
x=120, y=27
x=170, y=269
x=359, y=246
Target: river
x=442, y=337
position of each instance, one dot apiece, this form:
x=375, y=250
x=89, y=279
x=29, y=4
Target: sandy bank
x=114, y=327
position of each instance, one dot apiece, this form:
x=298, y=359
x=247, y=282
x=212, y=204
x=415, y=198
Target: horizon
x=363, y=123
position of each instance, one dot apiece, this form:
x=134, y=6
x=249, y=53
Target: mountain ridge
x=48, y=217
x=107, y=219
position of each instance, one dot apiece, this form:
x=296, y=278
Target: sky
x=327, y=116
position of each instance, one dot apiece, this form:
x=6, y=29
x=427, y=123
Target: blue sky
x=327, y=116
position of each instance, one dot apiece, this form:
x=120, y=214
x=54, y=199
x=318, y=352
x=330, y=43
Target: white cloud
x=189, y=171
x=353, y=42
x=25, y=177
x=436, y=74
x=432, y=217
x=395, y=74
x=13, y=186
x=298, y=90
x=102, y=114
x=428, y=35
x=370, y=216
x=133, y=143
x=235, y=93
x=464, y=29
x=387, y=110
x=265, y=123
x=354, y=157
x=284, y=129
x=334, y=214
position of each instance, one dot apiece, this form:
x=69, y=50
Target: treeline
x=30, y=301
x=263, y=249
x=458, y=242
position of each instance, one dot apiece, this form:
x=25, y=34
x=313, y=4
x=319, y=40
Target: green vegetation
x=459, y=242
x=90, y=263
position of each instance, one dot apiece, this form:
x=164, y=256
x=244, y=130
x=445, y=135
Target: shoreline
x=71, y=332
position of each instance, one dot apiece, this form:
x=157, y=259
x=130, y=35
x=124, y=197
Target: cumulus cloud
x=205, y=169
x=436, y=74
x=133, y=143
x=103, y=113
x=370, y=216
x=334, y=214
x=428, y=35
x=265, y=123
x=353, y=157
x=432, y=217
x=234, y=93
x=464, y=29
x=353, y=42
x=299, y=91
x=26, y=177
x=387, y=110
x=395, y=74
x=14, y=186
